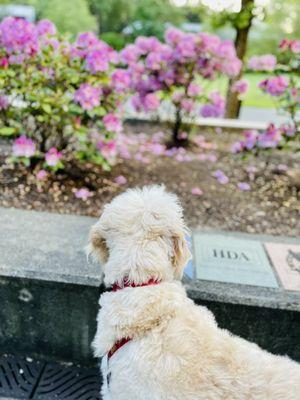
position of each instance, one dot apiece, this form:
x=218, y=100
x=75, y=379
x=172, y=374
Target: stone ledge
x=243, y=294
x=46, y=246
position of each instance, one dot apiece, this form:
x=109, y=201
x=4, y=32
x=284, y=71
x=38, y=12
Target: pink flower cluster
x=96, y=54
x=272, y=137
x=46, y=27
x=120, y=80
x=21, y=40
x=53, y=157
x=286, y=88
x=292, y=45
x=108, y=149
x=275, y=86
x=215, y=107
x=26, y=147
x=97, y=83
x=88, y=96
x=266, y=62
x=157, y=67
x=23, y=147
x=112, y=123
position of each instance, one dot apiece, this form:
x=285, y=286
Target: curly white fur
x=177, y=351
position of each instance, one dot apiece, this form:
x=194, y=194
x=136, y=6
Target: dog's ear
x=97, y=247
x=181, y=254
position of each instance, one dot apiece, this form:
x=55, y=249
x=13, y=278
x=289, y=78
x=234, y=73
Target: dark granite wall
x=49, y=320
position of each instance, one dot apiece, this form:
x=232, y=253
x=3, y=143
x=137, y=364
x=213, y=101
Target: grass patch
x=254, y=97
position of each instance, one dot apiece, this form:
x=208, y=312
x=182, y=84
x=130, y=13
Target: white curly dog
x=155, y=342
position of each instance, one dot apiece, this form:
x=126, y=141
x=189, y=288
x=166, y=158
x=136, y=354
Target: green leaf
x=7, y=131
x=11, y=73
x=47, y=108
x=26, y=161
x=40, y=118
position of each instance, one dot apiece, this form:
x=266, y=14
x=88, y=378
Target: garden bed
x=271, y=206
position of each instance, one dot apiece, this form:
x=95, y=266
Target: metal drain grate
x=21, y=379
x=18, y=377
x=68, y=383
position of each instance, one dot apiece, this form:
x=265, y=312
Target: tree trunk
x=176, y=127
x=233, y=104
x=178, y=141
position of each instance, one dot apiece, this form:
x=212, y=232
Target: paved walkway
x=262, y=115
x=250, y=117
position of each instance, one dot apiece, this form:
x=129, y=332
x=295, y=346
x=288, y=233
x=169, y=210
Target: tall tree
x=242, y=23
x=113, y=15
x=71, y=16
x=151, y=15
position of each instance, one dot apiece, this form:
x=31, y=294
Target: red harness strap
x=117, y=346
x=126, y=283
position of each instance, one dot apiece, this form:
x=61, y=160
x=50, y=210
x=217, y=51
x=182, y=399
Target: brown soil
x=272, y=206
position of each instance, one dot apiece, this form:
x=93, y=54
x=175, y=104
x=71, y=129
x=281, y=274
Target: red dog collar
x=127, y=283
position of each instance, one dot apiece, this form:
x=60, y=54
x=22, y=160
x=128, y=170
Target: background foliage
x=276, y=20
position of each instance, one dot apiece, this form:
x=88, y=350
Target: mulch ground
x=272, y=206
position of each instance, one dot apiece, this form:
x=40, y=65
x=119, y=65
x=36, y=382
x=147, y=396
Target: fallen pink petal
x=218, y=173
x=83, y=194
x=282, y=167
x=41, y=175
x=196, y=191
x=212, y=158
x=251, y=169
x=223, y=179
x=244, y=186
x=120, y=180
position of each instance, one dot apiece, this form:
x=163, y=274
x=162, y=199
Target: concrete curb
x=206, y=122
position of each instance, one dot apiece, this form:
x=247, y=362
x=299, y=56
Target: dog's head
x=141, y=235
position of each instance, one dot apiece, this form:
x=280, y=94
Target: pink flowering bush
x=60, y=99
x=262, y=63
x=275, y=86
x=177, y=71
x=284, y=87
